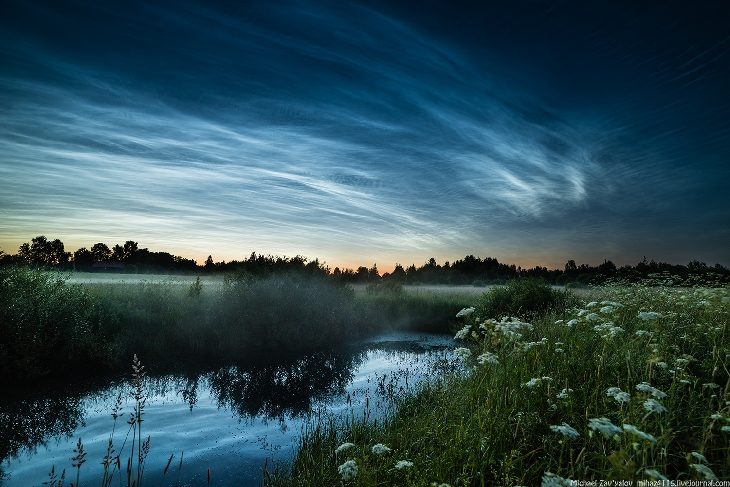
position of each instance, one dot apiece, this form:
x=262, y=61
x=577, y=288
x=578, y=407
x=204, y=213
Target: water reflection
x=26, y=424
x=282, y=390
x=193, y=412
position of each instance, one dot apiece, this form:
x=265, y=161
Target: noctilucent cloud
x=533, y=132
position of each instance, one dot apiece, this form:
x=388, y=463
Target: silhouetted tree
x=83, y=258
x=373, y=273
x=118, y=253
x=130, y=248
x=42, y=252
x=101, y=252
x=362, y=274
x=398, y=273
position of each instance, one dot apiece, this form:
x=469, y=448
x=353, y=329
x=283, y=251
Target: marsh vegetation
x=49, y=327
x=633, y=384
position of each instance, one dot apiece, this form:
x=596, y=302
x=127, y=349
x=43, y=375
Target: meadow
x=632, y=383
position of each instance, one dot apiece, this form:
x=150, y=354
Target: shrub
x=45, y=325
x=525, y=298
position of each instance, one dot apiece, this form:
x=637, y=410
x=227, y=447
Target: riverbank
x=631, y=385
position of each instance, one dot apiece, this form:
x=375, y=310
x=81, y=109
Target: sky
x=375, y=132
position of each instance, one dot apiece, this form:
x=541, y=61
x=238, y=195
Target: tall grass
x=633, y=385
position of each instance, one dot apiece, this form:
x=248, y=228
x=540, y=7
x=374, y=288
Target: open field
x=183, y=279
x=119, y=278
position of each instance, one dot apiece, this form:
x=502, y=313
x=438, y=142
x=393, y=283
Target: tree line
x=128, y=257
x=42, y=252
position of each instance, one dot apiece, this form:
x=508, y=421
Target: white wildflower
x=564, y=394
x=572, y=322
x=530, y=345
x=465, y=312
x=725, y=429
x=629, y=428
x=488, y=358
x=716, y=416
x=704, y=470
x=661, y=365
x=401, y=464
x=583, y=312
x=641, y=333
x=380, y=449
x=711, y=385
x=512, y=327
x=611, y=303
x=654, y=406
x=608, y=330
x=649, y=315
x=565, y=429
x=604, y=426
x=348, y=470
x=532, y=383
x=646, y=387
x=344, y=447
x=618, y=395
x=699, y=457
x=463, y=333
x=607, y=310
x=593, y=317
x=592, y=304
x=549, y=479
x=463, y=353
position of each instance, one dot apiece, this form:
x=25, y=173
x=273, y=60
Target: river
x=229, y=422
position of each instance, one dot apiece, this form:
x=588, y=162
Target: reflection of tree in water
x=272, y=391
x=283, y=389
x=27, y=424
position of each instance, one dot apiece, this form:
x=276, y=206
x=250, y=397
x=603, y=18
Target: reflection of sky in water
x=213, y=435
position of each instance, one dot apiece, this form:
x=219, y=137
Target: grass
x=51, y=328
x=522, y=415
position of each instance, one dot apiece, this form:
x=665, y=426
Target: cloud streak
x=336, y=131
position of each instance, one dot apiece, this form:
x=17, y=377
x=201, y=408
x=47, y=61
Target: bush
x=525, y=298
x=45, y=325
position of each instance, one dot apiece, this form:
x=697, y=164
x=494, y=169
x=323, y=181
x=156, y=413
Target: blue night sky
x=533, y=132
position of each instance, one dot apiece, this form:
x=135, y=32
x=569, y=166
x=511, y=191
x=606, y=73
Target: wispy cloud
x=338, y=132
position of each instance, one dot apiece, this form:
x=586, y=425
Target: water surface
x=229, y=421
